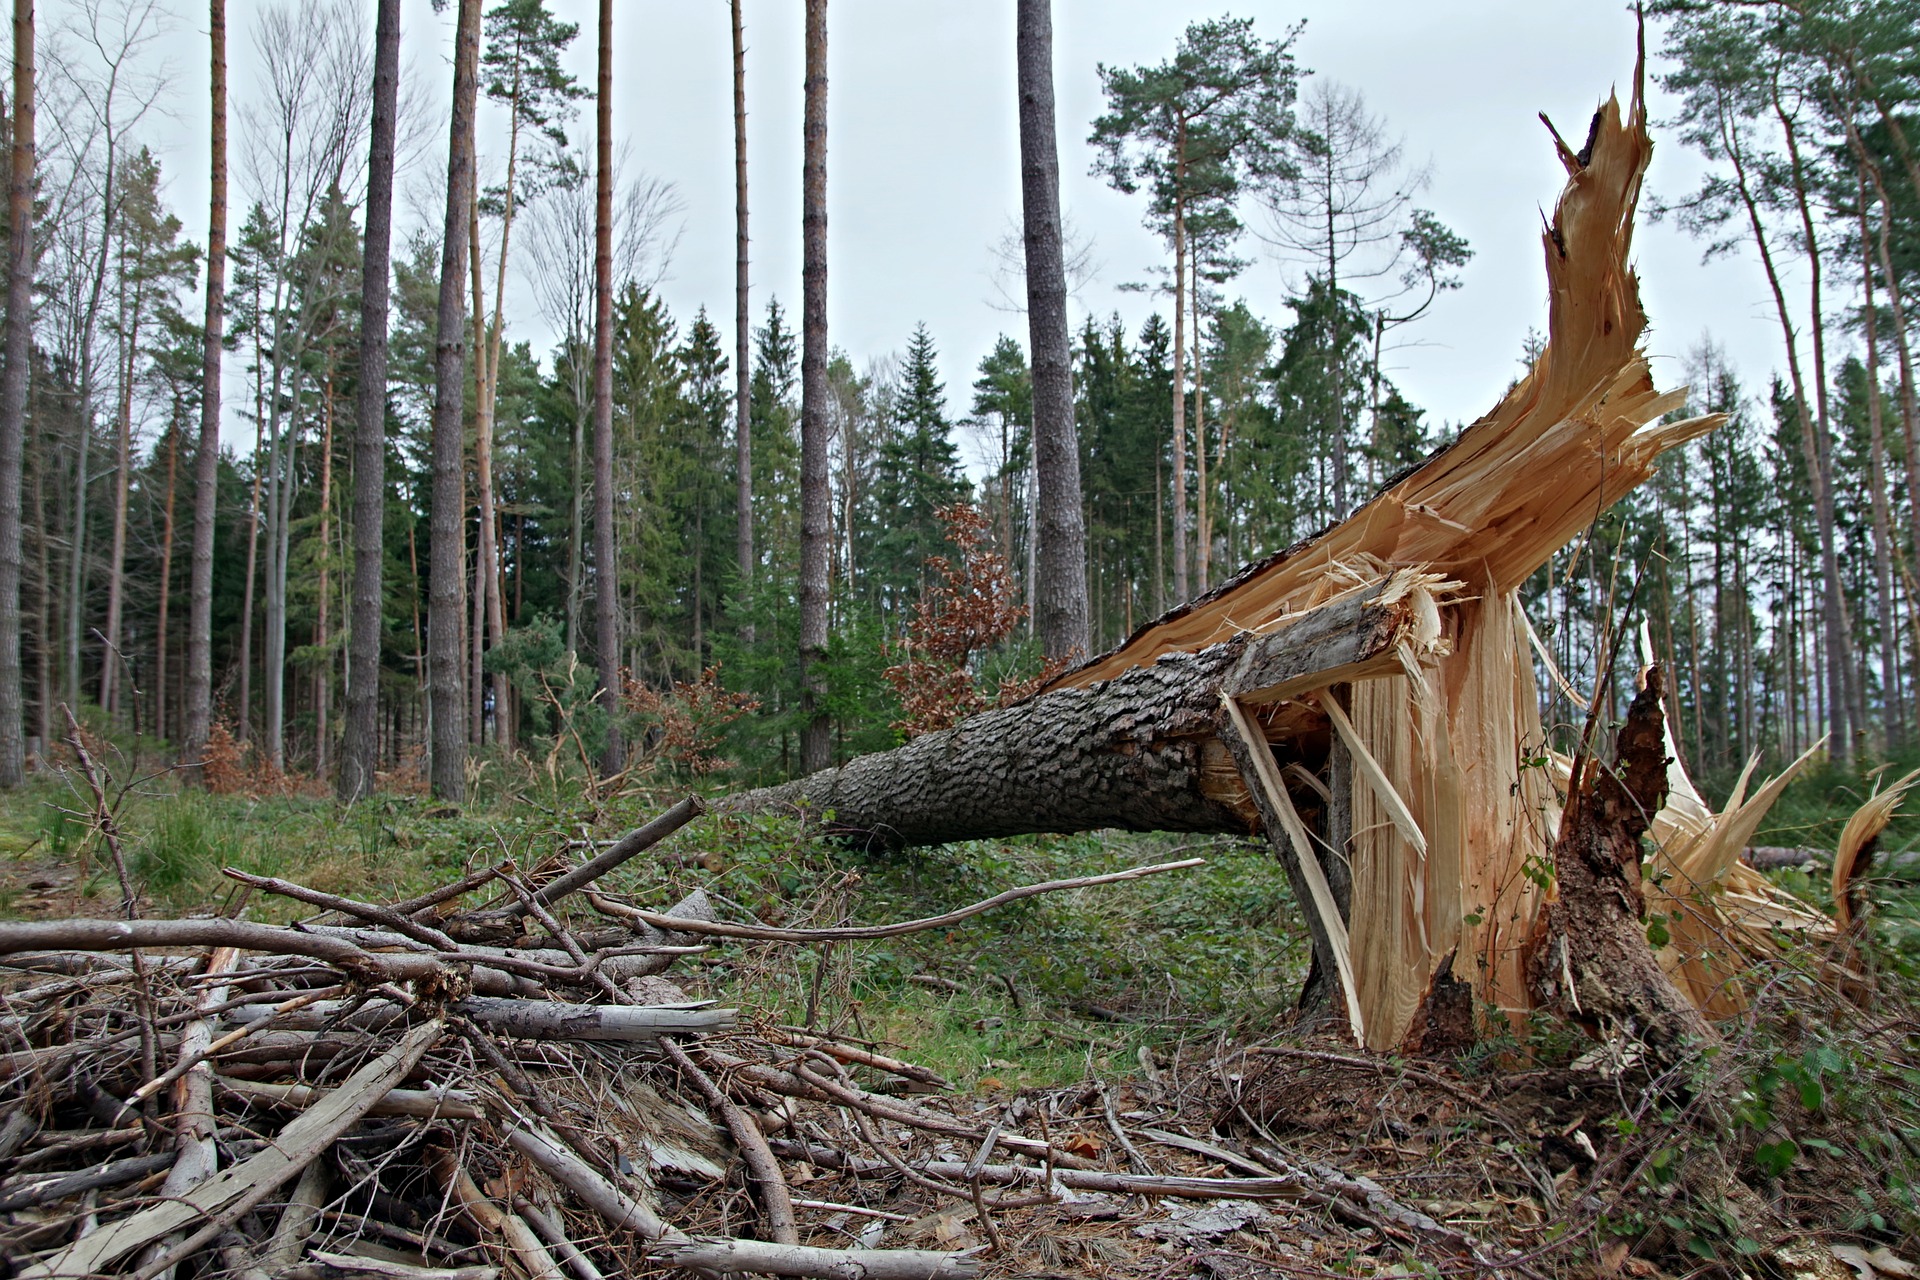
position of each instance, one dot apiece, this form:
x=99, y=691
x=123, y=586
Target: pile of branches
x=421, y=1089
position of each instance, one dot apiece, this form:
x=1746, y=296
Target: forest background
x=1774, y=561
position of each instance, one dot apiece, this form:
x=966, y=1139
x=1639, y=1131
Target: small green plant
x=178, y=851
x=59, y=831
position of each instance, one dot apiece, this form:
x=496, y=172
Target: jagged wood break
x=1384, y=664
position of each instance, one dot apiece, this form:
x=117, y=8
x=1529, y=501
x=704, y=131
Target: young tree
x=360, y=743
x=606, y=577
x=18, y=351
x=1060, y=559
x=816, y=497
x=1193, y=131
x=206, y=462
x=446, y=678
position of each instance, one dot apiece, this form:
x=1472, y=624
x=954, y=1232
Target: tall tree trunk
x=208, y=455
x=112, y=661
x=492, y=558
x=43, y=603
x=1202, y=516
x=206, y=461
x=1883, y=536
x=244, y=714
x=1846, y=711
x=13, y=399
x=1060, y=550
x=446, y=683
x=77, y=544
x=816, y=744
x=1181, y=592
x=483, y=475
x=161, y=720
x=323, y=669
x=742, y=323
x=360, y=738
x=1731, y=142
x=1909, y=410
x=606, y=576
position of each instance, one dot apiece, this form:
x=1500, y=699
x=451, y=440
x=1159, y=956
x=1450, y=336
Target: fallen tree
x=1367, y=698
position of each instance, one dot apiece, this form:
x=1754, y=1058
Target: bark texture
x=742, y=318
x=1135, y=753
x=816, y=745
x=206, y=462
x=1592, y=963
x=1143, y=751
x=360, y=744
x=13, y=397
x=1060, y=594
x=446, y=678
x=606, y=579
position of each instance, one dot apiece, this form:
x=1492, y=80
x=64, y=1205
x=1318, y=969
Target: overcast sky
x=923, y=161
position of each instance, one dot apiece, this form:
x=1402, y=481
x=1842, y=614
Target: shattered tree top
x=1575, y=435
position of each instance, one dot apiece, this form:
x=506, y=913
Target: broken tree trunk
x=1593, y=965
x=1140, y=751
x=1405, y=768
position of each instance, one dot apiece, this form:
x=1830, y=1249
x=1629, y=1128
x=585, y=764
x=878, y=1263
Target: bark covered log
x=1139, y=752
x=1132, y=753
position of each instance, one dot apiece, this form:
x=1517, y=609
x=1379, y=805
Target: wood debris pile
x=422, y=1090
x=403, y=1090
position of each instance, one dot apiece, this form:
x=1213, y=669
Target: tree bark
x=161, y=719
x=1593, y=963
x=742, y=322
x=816, y=745
x=606, y=576
x=1060, y=594
x=206, y=460
x=1141, y=752
x=1845, y=708
x=111, y=658
x=360, y=739
x=1894, y=718
x=13, y=397
x=1181, y=587
x=446, y=683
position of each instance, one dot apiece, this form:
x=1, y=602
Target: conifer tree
x=1192, y=131
x=361, y=740
x=206, y=467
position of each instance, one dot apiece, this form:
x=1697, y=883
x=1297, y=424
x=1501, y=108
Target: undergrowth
x=1805, y=1125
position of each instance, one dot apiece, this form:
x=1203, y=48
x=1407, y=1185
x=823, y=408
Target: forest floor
x=1154, y=1021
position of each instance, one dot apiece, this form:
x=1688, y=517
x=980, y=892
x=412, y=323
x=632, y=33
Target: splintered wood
x=1450, y=809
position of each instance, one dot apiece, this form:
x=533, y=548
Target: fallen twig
x=855, y=933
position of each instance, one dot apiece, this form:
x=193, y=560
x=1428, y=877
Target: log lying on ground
x=1140, y=752
x=1422, y=770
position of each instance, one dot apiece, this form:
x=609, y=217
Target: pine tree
x=18, y=353
x=206, y=471
x=918, y=472
x=1192, y=131
x=360, y=744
